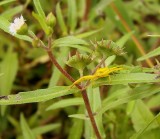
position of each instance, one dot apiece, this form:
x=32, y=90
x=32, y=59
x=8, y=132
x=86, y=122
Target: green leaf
x=154, y=36
x=4, y=25
x=56, y=74
x=137, y=93
x=154, y=101
x=124, y=39
x=1, y=74
x=88, y=130
x=8, y=14
x=141, y=131
x=110, y=60
x=122, y=11
x=97, y=105
x=66, y=103
x=14, y=122
x=9, y=68
x=141, y=115
x=99, y=7
x=27, y=133
x=153, y=53
x=6, y=1
x=39, y=9
x=72, y=14
x=41, y=22
x=102, y=5
x=87, y=34
x=71, y=41
x=60, y=19
x=127, y=78
x=77, y=127
x=125, y=97
x=79, y=116
x=44, y=129
x=37, y=95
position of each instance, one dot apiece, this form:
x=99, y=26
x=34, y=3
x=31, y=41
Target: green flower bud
x=51, y=20
x=36, y=42
x=23, y=30
x=79, y=61
x=106, y=48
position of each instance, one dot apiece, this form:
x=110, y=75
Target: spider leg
x=88, y=77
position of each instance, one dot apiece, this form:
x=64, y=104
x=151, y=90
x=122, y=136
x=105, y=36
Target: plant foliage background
x=37, y=100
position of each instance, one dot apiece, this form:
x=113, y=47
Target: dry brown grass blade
x=135, y=40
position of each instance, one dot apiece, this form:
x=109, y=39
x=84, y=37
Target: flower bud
x=51, y=20
x=36, y=42
x=79, y=61
x=23, y=29
x=18, y=26
x=107, y=48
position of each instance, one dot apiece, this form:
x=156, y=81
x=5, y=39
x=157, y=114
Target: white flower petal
x=16, y=25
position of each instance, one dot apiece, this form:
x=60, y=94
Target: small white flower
x=16, y=25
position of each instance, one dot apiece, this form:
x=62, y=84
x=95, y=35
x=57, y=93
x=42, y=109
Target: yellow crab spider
x=100, y=73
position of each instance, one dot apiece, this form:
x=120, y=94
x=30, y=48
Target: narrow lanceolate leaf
x=79, y=116
x=89, y=33
x=4, y=25
x=37, y=95
x=60, y=19
x=96, y=105
x=72, y=14
x=128, y=96
x=66, y=103
x=77, y=127
x=140, y=132
x=8, y=67
x=124, y=39
x=44, y=129
x=141, y=115
x=127, y=78
x=41, y=22
x=8, y=14
x=27, y=133
x=71, y=41
x=39, y=9
x=153, y=53
x=100, y=6
x=6, y=1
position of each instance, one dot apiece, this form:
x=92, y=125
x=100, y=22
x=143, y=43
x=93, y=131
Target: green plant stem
x=84, y=92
